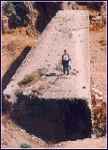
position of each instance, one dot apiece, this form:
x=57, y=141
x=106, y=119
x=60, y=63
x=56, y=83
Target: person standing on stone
x=65, y=62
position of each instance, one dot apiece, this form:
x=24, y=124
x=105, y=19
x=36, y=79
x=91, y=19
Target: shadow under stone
x=53, y=120
x=14, y=66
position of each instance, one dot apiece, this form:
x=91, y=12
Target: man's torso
x=65, y=57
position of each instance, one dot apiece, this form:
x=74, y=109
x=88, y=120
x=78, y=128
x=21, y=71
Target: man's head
x=65, y=51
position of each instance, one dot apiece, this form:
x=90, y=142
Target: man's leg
x=67, y=70
x=63, y=69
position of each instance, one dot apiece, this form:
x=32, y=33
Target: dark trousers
x=66, y=67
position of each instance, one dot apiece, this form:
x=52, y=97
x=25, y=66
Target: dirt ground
x=98, y=60
x=12, y=46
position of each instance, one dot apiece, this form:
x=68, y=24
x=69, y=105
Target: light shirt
x=66, y=57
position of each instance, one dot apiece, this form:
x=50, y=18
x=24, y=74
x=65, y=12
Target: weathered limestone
x=67, y=30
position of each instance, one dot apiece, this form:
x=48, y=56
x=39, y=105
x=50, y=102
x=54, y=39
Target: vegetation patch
x=102, y=42
x=30, y=78
x=24, y=145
